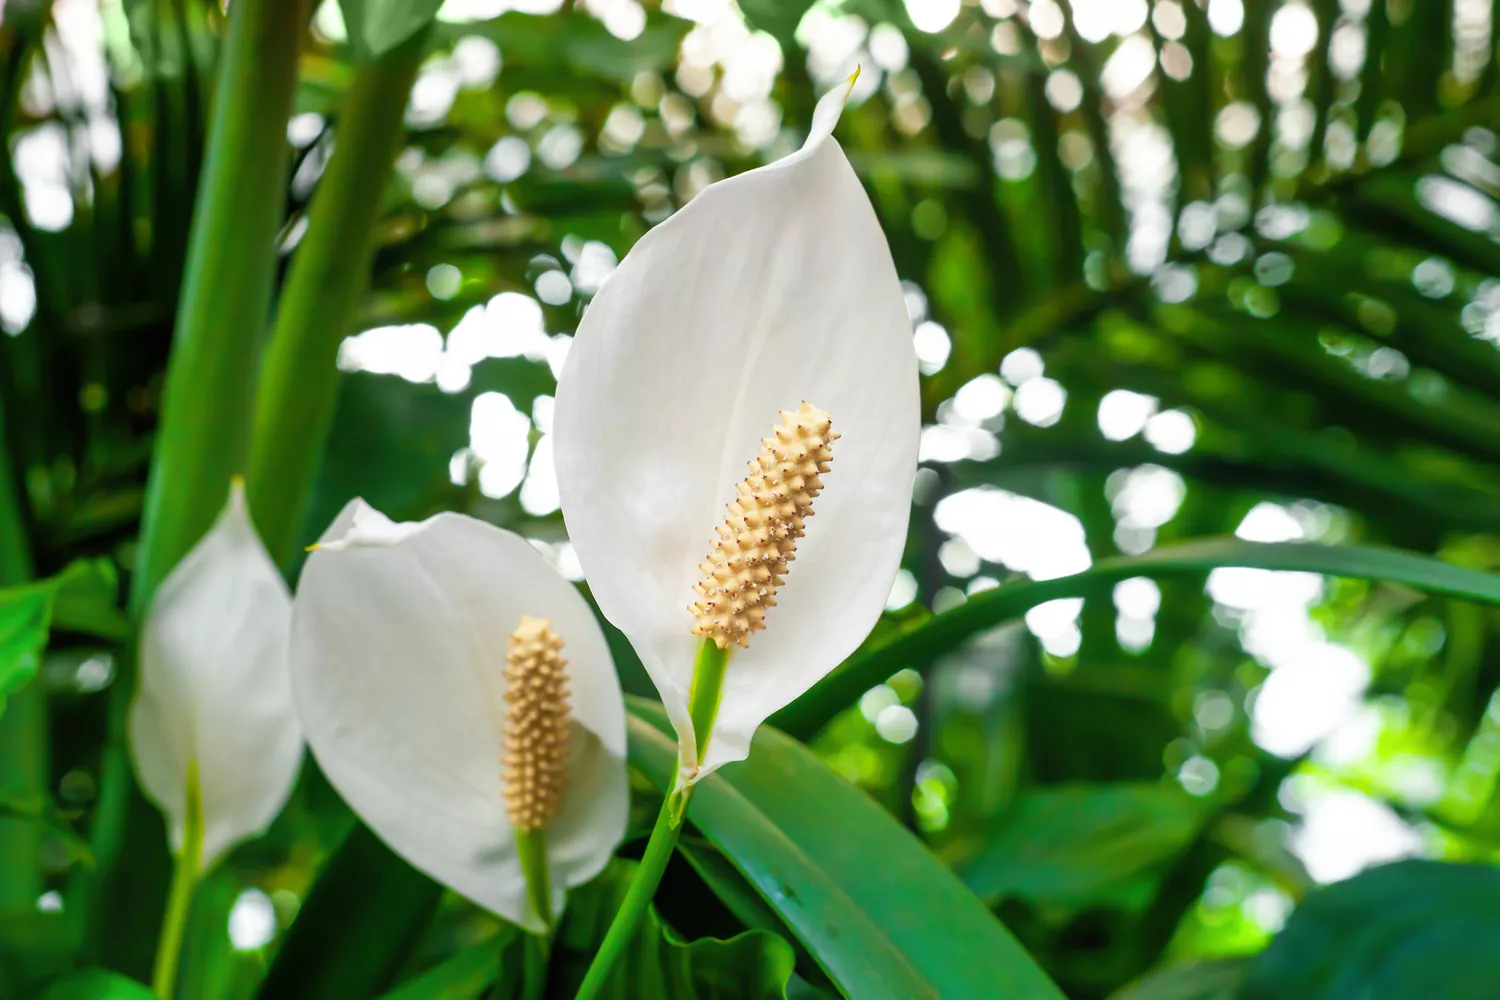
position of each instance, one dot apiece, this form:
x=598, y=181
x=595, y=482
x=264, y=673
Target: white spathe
x=215, y=688
x=767, y=289
x=398, y=645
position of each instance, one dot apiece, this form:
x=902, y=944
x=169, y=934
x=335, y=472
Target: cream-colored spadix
x=428, y=668
x=754, y=547
x=767, y=289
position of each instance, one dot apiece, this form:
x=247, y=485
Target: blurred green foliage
x=1176, y=270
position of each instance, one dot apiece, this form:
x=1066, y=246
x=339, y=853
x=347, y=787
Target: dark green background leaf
x=1410, y=929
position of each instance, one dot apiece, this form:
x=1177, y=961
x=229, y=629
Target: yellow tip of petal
x=315, y=546
x=849, y=83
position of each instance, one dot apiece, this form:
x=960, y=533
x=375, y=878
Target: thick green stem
x=299, y=380
x=204, y=433
x=184, y=879
x=226, y=292
x=703, y=708
x=637, y=898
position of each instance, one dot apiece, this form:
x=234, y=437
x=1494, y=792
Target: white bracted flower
x=212, y=730
x=764, y=324
x=460, y=696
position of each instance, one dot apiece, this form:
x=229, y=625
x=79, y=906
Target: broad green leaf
x=97, y=984
x=354, y=932
x=878, y=911
x=1077, y=847
x=1410, y=929
x=1217, y=979
x=464, y=976
x=81, y=599
x=659, y=964
x=377, y=26
x=941, y=633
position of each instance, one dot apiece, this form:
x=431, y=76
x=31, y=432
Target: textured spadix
x=536, y=735
x=401, y=654
x=768, y=288
x=749, y=558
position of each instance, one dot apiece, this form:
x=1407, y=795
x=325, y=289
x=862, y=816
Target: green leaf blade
x=871, y=904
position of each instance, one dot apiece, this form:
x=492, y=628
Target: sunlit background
x=1173, y=269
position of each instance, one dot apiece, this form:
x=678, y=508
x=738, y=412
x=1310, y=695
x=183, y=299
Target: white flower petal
x=215, y=688
x=398, y=660
x=769, y=288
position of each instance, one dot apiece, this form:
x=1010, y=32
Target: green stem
x=531, y=846
x=226, y=291
x=299, y=380
x=205, y=423
x=637, y=898
x=23, y=724
x=534, y=967
x=703, y=708
x=184, y=878
x=707, y=691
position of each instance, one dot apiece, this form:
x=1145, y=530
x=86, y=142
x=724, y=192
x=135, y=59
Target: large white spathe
x=399, y=641
x=215, y=691
x=767, y=289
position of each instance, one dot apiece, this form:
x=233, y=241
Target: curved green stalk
x=23, y=723
x=226, y=291
x=204, y=432
x=299, y=380
x=642, y=889
x=179, y=899
x=703, y=708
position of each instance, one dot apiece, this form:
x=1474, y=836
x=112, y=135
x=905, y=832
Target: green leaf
x=778, y=18
x=86, y=600
x=377, y=26
x=755, y=965
x=365, y=914
x=97, y=984
x=81, y=598
x=1078, y=847
x=881, y=915
x=539, y=49
x=922, y=645
x=1210, y=980
x=1410, y=929
x=25, y=615
x=463, y=976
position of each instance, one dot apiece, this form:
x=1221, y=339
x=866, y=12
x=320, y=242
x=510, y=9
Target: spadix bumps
x=768, y=288
x=536, y=737
x=758, y=538
x=428, y=668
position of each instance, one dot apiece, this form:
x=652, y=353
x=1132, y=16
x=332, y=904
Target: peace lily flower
x=212, y=730
x=460, y=696
x=763, y=323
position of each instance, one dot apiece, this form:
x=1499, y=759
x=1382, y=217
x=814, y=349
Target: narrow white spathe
x=767, y=289
x=215, y=688
x=399, y=640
